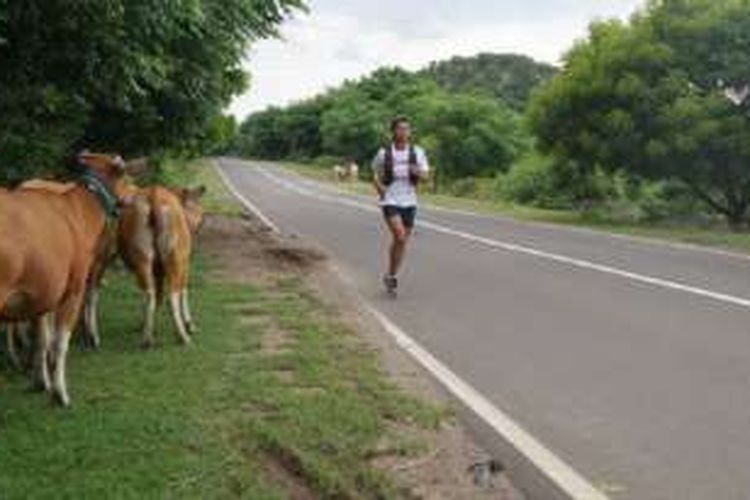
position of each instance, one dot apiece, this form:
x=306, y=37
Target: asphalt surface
x=629, y=359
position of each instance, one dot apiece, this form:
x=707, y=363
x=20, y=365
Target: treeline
x=474, y=129
x=662, y=99
x=137, y=76
x=508, y=77
x=646, y=119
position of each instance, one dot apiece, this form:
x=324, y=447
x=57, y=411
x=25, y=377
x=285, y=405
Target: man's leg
x=400, y=235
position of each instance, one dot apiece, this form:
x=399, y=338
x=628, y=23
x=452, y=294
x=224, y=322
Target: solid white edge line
x=247, y=203
x=558, y=472
x=541, y=254
x=570, y=482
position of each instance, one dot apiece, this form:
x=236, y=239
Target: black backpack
x=388, y=165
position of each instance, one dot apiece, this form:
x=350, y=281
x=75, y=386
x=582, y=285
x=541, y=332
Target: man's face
x=402, y=132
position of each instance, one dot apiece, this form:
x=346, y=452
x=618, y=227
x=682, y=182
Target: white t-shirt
x=401, y=192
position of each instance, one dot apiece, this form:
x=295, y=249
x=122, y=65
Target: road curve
x=629, y=359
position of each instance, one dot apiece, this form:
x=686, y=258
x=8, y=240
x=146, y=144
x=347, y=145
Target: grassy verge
x=718, y=237
x=200, y=172
x=276, y=399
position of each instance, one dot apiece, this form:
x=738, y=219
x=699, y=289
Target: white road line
x=250, y=206
x=564, y=477
x=558, y=472
x=541, y=254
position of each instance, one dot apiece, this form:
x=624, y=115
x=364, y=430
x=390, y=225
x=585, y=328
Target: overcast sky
x=343, y=39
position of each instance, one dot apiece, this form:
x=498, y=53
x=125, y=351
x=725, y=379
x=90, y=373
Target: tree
x=135, y=76
x=353, y=127
x=650, y=97
x=508, y=77
x=465, y=133
x=469, y=135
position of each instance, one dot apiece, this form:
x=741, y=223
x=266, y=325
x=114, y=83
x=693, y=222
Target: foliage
x=470, y=135
x=137, y=76
x=647, y=98
x=465, y=134
x=507, y=77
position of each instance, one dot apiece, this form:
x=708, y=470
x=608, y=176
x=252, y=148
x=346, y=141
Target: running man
x=398, y=168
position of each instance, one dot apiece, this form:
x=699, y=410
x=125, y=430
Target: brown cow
x=49, y=237
x=106, y=254
x=155, y=242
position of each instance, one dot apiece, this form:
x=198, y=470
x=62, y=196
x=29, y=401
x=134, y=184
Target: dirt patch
x=446, y=461
x=296, y=255
x=248, y=252
x=284, y=473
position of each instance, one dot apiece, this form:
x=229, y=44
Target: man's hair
x=398, y=121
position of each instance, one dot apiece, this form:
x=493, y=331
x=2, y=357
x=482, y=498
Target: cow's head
x=111, y=167
x=110, y=170
x=191, y=202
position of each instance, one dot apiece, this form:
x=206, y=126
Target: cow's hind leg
x=11, y=337
x=186, y=315
x=175, y=301
x=176, y=277
x=147, y=283
x=90, y=318
x=66, y=319
x=40, y=374
x=60, y=352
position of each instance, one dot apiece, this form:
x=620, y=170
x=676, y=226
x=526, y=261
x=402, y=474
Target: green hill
x=508, y=77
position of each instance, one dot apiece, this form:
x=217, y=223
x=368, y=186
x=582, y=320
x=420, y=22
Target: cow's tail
x=161, y=221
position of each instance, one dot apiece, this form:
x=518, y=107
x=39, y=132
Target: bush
x=532, y=181
x=327, y=161
x=635, y=200
x=464, y=188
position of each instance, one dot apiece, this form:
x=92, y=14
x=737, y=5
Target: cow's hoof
x=60, y=399
x=192, y=328
x=40, y=386
x=147, y=344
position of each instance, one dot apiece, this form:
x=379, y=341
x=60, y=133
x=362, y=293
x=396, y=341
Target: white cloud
x=325, y=48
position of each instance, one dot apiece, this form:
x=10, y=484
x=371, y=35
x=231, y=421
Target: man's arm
x=378, y=163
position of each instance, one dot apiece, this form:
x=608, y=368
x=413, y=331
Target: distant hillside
x=509, y=77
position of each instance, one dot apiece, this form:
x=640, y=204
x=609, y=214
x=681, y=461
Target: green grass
x=218, y=419
x=716, y=236
x=201, y=172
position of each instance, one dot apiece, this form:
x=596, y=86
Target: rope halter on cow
x=108, y=200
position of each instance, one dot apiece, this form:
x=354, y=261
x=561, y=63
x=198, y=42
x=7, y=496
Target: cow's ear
x=137, y=167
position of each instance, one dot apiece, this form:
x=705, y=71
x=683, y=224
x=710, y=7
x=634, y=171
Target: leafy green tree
x=465, y=134
x=469, y=135
x=262, y=136
x=136, y=76
x=508, y=77
x=354, y=127
x=650, y=97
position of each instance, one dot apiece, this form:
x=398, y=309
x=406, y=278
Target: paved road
x=629, y=359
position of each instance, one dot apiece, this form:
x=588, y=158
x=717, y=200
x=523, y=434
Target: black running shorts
x=407, y=214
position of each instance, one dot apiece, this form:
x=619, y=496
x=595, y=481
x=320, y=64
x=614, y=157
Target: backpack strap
x=388, y=165
x=413, y=162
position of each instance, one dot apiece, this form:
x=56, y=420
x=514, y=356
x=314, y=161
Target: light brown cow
x=155, y=241
x=49, y=237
